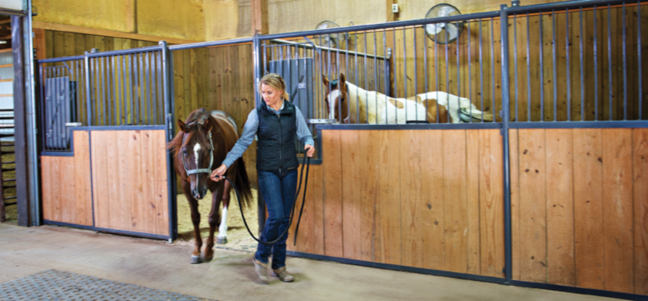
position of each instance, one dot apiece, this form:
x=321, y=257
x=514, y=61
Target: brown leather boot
x=261, y=270
x=283, y=275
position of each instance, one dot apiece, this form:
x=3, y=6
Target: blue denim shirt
x=250, y=129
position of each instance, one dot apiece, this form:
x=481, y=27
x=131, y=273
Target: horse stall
x=507, y=146
x=536, y=177
x=104, y=165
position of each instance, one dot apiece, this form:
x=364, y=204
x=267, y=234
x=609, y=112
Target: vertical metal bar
x=404, y=71
x=447, y=75
x=124, y=91
x=142, y=88
x=568, y=82
x=104, y=93
x=609, y=55
x=639, y=73
x=492, y=55
x=86, y=64
x=113, y=90
x=436, y=77
x=582, y=66
x=415, y=71
x=137, y=87
x=625, y=70
x=541, y=54
x=469, y=72
x=515, y=67
x=147, y=85
x=167, y=72
x=154, y=85
x=481, y=72
x=160, y=98
x=366, y=78
x=133, y=94
x=395, y=69
x=425, y=70
x=346, y=68
x=553, y=66
x=528, y=69
x=458, y=74
x=505, y=146
x=375, y=65
x=595, y=58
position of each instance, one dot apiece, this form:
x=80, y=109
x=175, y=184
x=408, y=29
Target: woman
x=277, y=123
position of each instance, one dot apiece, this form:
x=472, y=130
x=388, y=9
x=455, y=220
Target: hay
x=237, y=236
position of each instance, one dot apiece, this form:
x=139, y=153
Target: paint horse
x=349, y=103
x=201, y=145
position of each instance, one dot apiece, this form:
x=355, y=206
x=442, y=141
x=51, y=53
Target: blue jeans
x=279, y=195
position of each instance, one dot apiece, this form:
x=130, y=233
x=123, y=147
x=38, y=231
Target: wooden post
x=391, y=16
x=259, y=17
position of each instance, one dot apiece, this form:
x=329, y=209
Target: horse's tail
x=242, y=182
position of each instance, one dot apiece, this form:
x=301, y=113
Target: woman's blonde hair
x=274, y=80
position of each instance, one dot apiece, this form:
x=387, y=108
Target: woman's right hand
x=217, y=174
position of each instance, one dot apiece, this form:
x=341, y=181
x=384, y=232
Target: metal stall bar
x=553, y=66
x=639, y=77
x=508, y=246
x=625, y=73
x=515, y=68
x=541, y=56
x=582, y=67
x=568, y=65
x=609, y=57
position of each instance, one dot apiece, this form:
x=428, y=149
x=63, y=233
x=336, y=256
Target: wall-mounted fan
x=443, y=33
x=333, y=40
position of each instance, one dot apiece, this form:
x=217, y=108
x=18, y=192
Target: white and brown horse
x=349, y=103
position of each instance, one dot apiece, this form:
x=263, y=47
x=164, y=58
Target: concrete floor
x=230, y=276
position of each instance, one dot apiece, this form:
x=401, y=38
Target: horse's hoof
x=208, y=258
x=195, y=259
x=221, y=240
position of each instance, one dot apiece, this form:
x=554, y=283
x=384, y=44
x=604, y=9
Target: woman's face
x=271, y=95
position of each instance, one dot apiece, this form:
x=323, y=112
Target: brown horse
x=200, y=146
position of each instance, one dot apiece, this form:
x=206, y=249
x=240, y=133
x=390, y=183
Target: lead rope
x=292, y=211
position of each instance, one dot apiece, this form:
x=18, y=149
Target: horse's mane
x=191, y=122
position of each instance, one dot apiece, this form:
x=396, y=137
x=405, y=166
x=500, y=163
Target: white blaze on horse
x=349, y=103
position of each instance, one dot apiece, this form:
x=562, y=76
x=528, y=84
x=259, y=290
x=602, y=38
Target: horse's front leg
x=214, y=218
x=195, y=220
x=222, y=228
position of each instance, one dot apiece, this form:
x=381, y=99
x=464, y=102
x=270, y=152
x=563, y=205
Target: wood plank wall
x=580, y=207
x=421, y=198
x=65, y=184
x=130, y=180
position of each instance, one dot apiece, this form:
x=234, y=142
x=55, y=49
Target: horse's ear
x=325, y=80
x=182, y=125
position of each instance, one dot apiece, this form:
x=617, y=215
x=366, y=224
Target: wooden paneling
x=586, y=214
x=640, y=181
x=422, y=198
x=130, y=181
x=65, y=184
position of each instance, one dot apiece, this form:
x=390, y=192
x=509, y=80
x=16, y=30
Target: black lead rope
x=292, y=211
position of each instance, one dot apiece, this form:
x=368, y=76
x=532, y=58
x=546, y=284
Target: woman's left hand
x=310, y=150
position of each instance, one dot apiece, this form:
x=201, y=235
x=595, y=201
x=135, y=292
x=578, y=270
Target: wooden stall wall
x=65, y=184
x=51, y=43
x=580, y=207
x=420, y=198
x=216, y=78
x=129, y=180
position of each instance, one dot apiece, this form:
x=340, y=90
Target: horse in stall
x=358, y=105
x=199, y=146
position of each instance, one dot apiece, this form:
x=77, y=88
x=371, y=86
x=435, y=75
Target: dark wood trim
x=20, y=135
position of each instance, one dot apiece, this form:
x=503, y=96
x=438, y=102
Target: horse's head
x=195, y=153
x=336, y=98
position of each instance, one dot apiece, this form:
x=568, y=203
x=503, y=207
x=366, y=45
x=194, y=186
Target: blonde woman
x=277, y=122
